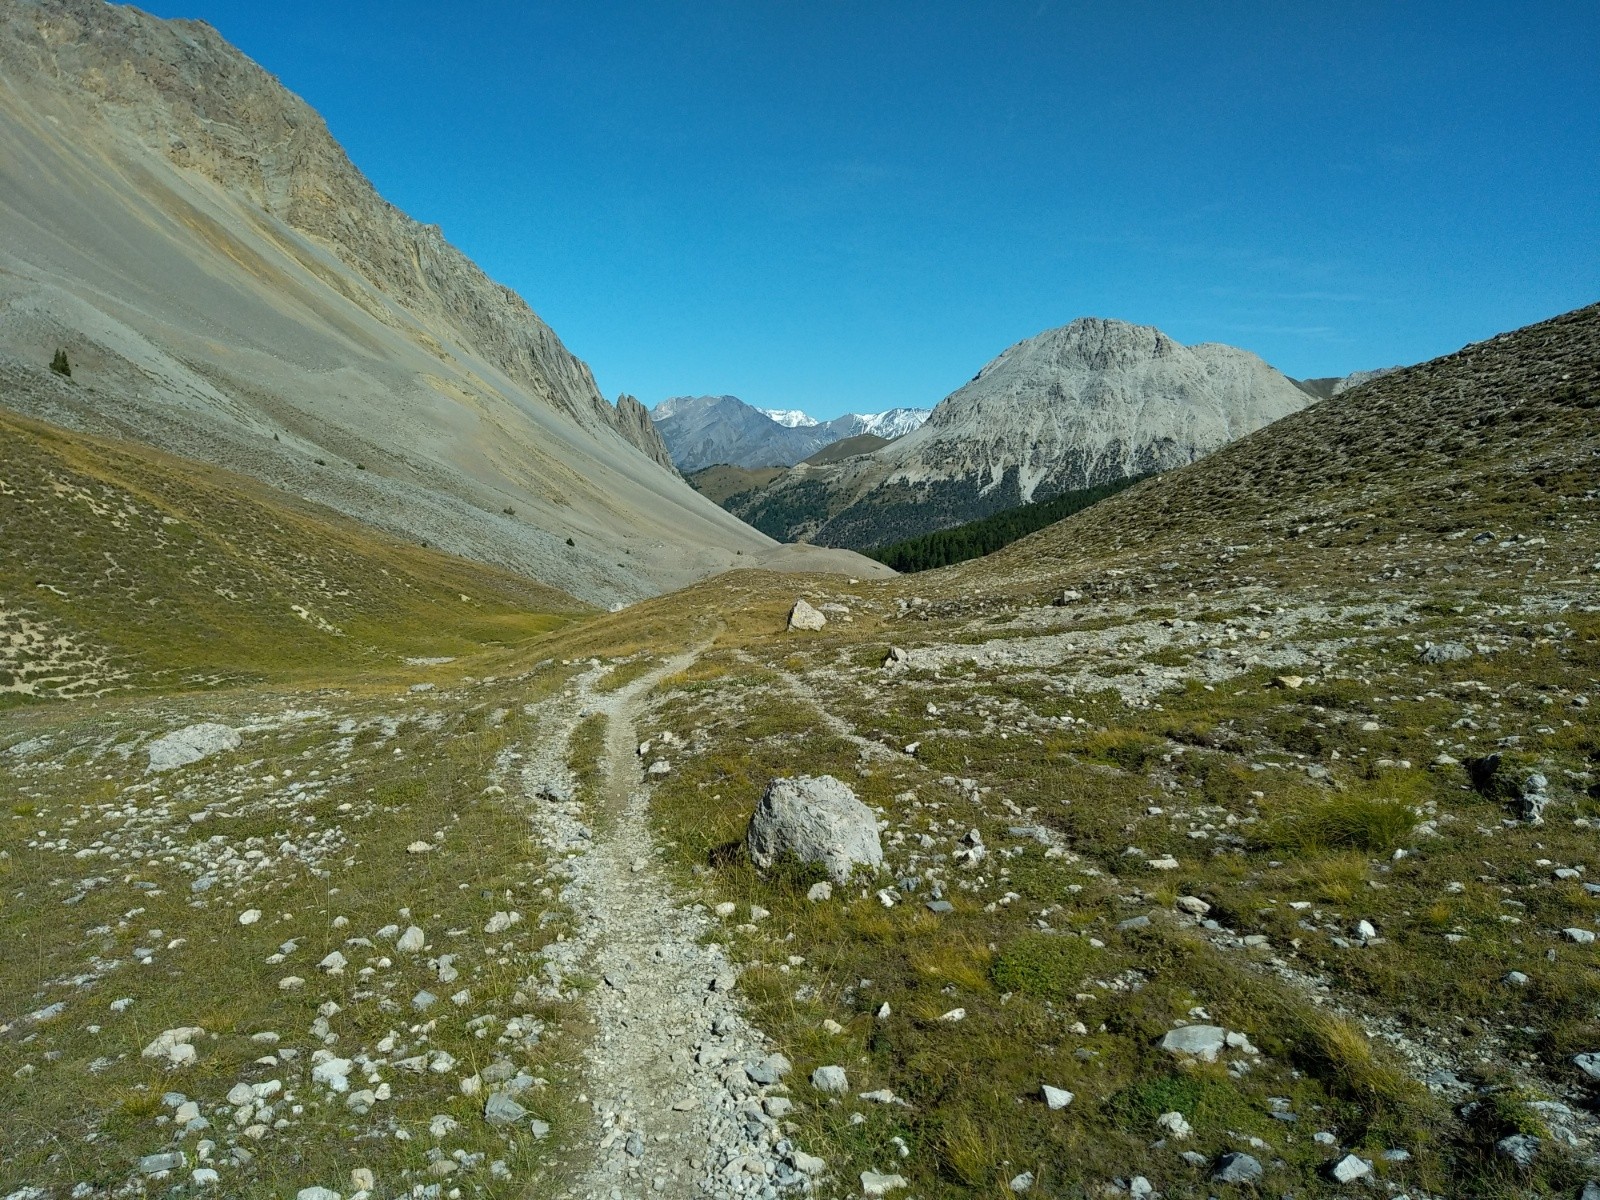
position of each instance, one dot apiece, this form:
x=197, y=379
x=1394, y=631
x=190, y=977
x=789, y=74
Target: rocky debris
x=1519, y=1148
x=158, y=1164
x=502, y=1109
x=817, y=820
x=875, y=1184
x=803, y=616
x=895, y=658
x=1175, y=1125
x=1348, y=1169
x=191, y=744
x=1443, y=652
x=175, y=1046
x=1237, y=1167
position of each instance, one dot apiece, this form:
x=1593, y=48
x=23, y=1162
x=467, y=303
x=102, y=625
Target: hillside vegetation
x=1252, y=811
x=121, y=567
x=977, y=538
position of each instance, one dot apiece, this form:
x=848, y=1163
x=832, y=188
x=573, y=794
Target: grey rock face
x=632, y=420
x=817, y=820
x=189, y=745
x=1235, y=1167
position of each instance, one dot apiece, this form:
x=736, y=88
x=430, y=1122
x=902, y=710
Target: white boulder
x=817, y=820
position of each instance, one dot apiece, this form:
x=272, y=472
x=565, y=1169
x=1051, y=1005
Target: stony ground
x=1230, y=844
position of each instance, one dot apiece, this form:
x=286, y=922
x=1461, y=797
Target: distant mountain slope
x=701, y=431
x=227, y=285
x=1432, y=464
x=1074, y=407
x=861, y=443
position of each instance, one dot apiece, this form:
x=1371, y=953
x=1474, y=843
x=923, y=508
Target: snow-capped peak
x=893, y=422
x=789, y=418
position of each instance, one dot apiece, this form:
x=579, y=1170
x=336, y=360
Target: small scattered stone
x=1204, y=1042
x=1175, y=1125
x=830, y=1079
x=1348, y=1169
x=874, y=1184
x=501, y=1109
x=1056, y=1098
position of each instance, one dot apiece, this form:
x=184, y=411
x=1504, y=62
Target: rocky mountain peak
x=634, y=423
x=181, y=90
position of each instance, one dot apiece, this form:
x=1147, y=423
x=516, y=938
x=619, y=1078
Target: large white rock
x=803, y=616
x=173, y=1045
x=1204, y=1042
x=817, y=820
x=191, y=744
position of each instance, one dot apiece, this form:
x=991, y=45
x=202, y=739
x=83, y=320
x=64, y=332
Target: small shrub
x=1047, y=966
x=60, y=365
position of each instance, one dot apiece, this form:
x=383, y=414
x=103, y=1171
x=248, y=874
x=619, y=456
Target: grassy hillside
x=122, y=567
x=720, y=482
x=862, y=443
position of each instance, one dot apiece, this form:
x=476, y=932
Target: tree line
x=988, y=534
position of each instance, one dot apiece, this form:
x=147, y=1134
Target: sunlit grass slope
x=122, y=567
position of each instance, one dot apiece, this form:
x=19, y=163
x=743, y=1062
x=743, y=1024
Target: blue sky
x=854, y=205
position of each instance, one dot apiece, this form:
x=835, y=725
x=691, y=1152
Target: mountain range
x=1074, y=407
x=704, y=431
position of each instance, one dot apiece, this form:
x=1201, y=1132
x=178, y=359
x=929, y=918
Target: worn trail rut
x=687, y=1098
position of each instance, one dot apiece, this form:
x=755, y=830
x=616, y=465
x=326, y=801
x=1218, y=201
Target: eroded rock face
x=817, y=820
x=633, y=421
x=191, y=744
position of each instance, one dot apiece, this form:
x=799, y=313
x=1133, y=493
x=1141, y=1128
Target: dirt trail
x=685, y=1094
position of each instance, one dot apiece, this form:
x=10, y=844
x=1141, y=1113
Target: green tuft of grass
x=1043, y=965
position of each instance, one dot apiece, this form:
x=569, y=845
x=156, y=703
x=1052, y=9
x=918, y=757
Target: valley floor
x=1246, y=812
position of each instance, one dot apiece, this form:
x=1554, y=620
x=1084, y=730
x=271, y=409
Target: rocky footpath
x=688, y=1099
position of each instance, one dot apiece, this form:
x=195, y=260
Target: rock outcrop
x=633, y=421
